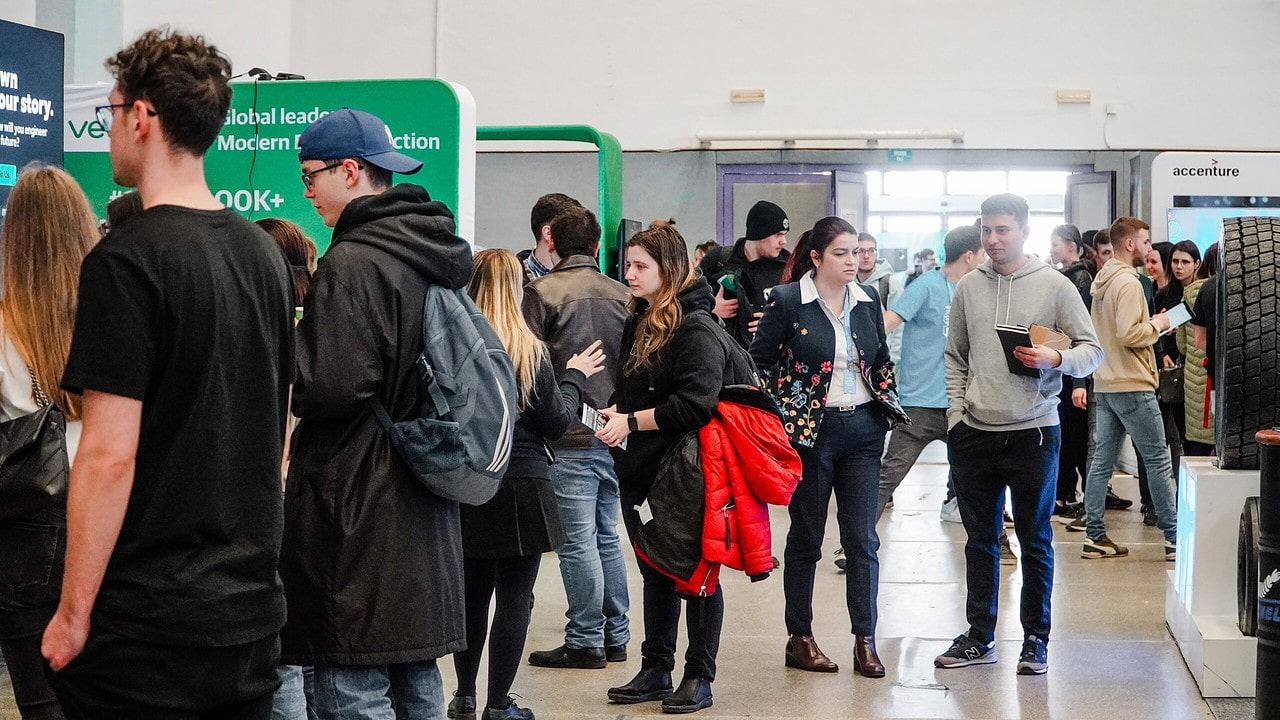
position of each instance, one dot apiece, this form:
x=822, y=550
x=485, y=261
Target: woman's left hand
x=615, y=428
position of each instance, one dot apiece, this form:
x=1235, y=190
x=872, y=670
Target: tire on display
x=1247, y=569
x=1246, y=398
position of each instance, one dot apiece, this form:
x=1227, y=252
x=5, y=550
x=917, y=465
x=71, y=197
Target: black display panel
x=31, y=79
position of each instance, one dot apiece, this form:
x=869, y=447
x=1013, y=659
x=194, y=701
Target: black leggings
x=31, y=689
x=511, y=581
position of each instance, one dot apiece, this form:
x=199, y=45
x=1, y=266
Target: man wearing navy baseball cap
x=370, y=633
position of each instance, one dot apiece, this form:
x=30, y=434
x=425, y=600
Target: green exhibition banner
x=253, y=165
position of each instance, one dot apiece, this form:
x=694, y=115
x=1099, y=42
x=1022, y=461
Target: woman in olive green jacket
x=1199, y=438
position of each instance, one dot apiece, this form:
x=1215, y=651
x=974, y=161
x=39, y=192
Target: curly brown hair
x=184, y=78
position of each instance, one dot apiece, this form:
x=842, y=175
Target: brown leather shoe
x=803, y=654
x=865, y=660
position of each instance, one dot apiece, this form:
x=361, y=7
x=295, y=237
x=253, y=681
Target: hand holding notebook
x=1038, y=345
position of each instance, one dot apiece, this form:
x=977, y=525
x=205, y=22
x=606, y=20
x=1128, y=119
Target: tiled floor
x=1111, y=656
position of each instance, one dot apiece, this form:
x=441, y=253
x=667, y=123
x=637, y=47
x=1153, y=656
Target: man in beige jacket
x=1125, y=388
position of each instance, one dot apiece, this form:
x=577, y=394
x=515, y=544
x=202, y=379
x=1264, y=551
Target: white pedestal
x=1200, y=602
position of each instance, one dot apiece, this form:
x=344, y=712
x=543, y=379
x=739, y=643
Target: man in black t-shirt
x=183, y=350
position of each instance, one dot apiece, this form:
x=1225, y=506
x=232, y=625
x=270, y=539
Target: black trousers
x=121, y=677
x=511, y=581
x=31, y=691
x=704, y=619
x=1073, y=456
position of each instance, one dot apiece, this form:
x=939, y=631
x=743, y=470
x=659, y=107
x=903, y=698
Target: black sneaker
x=1034, y=659
x=1067, y=512
x=966, y=651
x=1115, y=502
x=841, y=561
x=1149, y=515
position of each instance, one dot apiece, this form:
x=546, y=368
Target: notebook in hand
x=1014, y=336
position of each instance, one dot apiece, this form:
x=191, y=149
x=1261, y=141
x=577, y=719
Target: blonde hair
x=496, y=285
x=48, y=230
x=659, y=323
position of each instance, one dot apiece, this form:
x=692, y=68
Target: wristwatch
x=632, y=424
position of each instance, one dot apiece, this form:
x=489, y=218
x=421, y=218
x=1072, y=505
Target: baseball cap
x=349, y=133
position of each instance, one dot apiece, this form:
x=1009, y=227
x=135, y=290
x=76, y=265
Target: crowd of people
x=221, y=389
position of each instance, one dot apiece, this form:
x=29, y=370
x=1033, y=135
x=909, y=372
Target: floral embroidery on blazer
x=793, y=350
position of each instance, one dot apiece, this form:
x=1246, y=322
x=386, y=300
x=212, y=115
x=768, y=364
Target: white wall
x=1184, y=73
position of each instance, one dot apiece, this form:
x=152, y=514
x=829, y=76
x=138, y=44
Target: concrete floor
x=1111, y=656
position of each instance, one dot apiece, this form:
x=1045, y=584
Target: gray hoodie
x=980, y=388
x=882, y=277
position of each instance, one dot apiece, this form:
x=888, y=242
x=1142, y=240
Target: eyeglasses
x=105, y=116
x=308, y=178
x=865, y=251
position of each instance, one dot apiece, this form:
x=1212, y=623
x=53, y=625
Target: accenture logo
x=1212, y=171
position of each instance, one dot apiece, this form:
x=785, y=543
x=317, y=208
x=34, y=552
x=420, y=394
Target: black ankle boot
x=693, y=695
x=651, y=683
x=462, y=707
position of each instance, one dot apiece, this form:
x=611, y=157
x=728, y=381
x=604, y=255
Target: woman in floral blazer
x=821, y=347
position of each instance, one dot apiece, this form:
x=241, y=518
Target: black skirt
x=522, y=519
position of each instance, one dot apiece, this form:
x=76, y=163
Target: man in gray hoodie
x=1004, y=426
x=878, y=273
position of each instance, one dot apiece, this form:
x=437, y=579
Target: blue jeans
x=983, y=464
x=591, y=566
x=293, y=699
x=1138, y=414
x=404, y=691
x=844, y=461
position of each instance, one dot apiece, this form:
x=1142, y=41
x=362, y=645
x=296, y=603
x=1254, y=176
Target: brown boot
x=803, y=654
x=865, y=660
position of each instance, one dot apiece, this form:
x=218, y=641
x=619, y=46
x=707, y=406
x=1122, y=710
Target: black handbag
x=34, y=468
x=1169, y=390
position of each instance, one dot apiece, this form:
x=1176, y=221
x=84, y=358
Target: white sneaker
x=950, y=511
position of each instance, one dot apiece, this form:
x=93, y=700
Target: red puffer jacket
x=748, y=464
x=739, y=463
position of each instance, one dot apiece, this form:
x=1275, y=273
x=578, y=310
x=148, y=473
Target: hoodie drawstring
x=1008, y=307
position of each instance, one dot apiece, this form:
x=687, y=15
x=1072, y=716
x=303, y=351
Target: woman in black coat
x=821, y=345
x=503, y=539
x=675, y=360
x=1068, y=250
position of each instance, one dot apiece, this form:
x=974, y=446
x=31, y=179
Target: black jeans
x=984, y=464
x=511, y=581
x=845, y=462
x=120, y=677
x=31, y=691
x=704, y=619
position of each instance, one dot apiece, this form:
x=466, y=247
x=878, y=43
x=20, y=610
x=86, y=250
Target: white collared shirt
x=847, y=386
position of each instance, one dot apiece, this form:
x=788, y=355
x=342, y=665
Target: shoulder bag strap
x=36, y=391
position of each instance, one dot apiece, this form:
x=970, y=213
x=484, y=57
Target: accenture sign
x=1213, y=170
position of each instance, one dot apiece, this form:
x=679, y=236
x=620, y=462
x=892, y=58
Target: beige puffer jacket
x=1194, y=376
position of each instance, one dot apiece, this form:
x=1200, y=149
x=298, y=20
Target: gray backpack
x=459, y=444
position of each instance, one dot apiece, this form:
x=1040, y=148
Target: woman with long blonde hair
x=503, y=540
x=675, y=363
x=48, y=229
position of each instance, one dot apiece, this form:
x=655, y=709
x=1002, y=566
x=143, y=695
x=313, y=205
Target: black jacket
x=794, y=349
x=371, y=560
x=572, y=307
x=1079, y=275
x=682, y=385
x=522, y=519
x=755, y=278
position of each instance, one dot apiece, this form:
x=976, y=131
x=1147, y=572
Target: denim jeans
x=983, y=464
x=1138, y=414
x=591, y=565
x=293, y=699
x=844, y=461
x=905, y=445
x=404, y=691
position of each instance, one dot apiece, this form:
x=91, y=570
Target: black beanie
x=765, y=219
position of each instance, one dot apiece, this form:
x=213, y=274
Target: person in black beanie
x=742, y=274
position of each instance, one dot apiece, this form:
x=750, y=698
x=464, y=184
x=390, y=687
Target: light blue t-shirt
x=922, y=373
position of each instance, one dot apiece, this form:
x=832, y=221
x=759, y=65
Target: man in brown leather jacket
x=571, y=307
